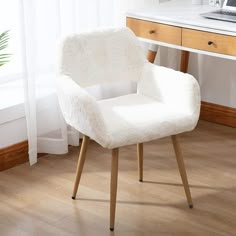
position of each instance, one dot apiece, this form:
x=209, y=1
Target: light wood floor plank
x=37, y=200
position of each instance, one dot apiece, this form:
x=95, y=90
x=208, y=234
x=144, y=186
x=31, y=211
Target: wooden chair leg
x=182, y=170
x=140, y=161
x=113, y=187
x=80, y=164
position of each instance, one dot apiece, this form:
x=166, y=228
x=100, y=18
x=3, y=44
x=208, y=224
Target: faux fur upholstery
x=102, y=57
x=167, y=102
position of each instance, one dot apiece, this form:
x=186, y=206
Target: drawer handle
x=210, y=42
x=152, y=32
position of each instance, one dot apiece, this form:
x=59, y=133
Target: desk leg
x=152, y=52
x=184, y=61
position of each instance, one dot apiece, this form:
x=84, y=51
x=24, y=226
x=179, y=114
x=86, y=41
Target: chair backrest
x=101, y=57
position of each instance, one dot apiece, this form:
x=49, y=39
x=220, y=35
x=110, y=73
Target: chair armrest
x=80, y=109
x=178, y=90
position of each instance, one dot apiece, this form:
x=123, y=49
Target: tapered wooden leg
x=152, y=52
x=113, y=187
x=80, y=164
x=140, y=161
x=184, y=61
x=182, y=170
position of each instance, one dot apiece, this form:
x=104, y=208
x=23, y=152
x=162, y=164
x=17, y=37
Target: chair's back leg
x=113, y=187
x=140, y=160
x=80, y=164
x=182, y=170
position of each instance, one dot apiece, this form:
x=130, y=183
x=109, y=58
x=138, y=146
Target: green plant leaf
x=4, y=39
x=3, y=47
x=4, y=34
x=3, y=58
x=5, y=54
x=3, y=63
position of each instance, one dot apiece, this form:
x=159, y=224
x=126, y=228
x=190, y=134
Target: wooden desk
x=183, y=28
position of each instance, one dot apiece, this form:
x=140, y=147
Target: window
x=9, y=18
x=11, y=84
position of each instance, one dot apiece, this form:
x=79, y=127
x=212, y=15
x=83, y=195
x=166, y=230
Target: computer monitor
x=230, y=5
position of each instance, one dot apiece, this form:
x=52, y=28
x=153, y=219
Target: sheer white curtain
x=43, y=23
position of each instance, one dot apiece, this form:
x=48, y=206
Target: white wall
x=12, y=132
x=12, y=114
x=217, y=79
x=216, y=76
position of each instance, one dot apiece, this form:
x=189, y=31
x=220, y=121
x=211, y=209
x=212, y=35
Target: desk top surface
x=184, y=14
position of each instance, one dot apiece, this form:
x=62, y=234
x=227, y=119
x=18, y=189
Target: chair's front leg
x=113, y=187
x=80, y=164
x=182, y=170
x=140, y=161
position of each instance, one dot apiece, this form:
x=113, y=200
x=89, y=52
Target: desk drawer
x=155, y=31
x=211, y=42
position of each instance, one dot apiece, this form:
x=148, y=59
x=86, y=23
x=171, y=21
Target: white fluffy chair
x=166, y=103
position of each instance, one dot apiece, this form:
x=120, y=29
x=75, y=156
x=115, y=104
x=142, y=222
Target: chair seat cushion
x=136, y=118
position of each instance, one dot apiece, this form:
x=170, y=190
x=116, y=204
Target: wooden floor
x=37, y=200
